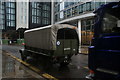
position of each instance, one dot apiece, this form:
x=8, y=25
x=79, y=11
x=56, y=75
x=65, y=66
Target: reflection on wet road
x=75, y=70
x=14, y=69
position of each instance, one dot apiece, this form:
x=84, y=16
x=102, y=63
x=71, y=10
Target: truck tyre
x=63, y=64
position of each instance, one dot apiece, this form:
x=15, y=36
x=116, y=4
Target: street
x=77, y=69
x=14, y=69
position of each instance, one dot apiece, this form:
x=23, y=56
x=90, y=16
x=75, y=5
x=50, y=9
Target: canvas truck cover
x=44, y=37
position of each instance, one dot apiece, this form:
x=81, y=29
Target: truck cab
x=104, y=53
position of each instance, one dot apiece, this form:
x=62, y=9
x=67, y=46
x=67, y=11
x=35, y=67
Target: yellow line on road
x=49, y=76
x=45, y=75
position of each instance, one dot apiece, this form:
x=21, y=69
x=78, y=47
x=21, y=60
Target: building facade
x=8, y=15
x=2, y=15
x=22, y=9
x=79, y=14
x=39, y=14
x=24, y=14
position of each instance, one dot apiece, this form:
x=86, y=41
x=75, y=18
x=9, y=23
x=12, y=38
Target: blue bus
x=104, y=52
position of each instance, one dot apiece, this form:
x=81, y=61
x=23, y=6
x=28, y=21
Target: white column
x=79, y=34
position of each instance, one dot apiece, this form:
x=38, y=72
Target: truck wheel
x=63, y=64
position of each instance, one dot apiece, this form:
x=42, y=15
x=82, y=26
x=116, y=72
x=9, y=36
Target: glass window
x=88, y=6
x=1, y=21
x=12, y=17
x=38, y=6
x=65, y=13
x=84, y=7
x=38, y=13
x=44, y=21
x=7, y=4
x=37, y=19
x=1, y=16
x=32, y=4
x=2, y=11
x=74, y=10
x=13, y=11
x=92, y=5
x=2, y=7
x=81, y=9
x=48, y=8
x=110, y=23
x=35, y=5
x=34, y=19
x=68, y=12
x=8, y=10
x=12, y=23
x=8, y=16
x=44, y=7
x=13, y=5
x=34, y=11
x=45, y=14
x=97, y=5
x=56, y=17
x=8, y=23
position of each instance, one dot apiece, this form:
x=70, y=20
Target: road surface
x=77, y=69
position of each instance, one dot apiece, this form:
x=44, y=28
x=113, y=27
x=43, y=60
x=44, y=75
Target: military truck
x=57, y=42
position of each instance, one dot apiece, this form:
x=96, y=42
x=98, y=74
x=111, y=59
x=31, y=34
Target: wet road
x=77, y=69
x=14, y=69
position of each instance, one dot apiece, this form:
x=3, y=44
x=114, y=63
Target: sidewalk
x=84, y=49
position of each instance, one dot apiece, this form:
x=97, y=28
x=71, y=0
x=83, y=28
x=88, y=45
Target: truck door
x=67, y=42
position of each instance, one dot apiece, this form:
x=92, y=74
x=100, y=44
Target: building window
x=8, y=10
x=12, y=11
x=80, y=8
x=84, y=7
x=12, y=17
x=98, y=4
x=7, y=4
x=12, y=5
x=68, y=12
x=65, y=14
x=12, y=23
x=40, y=13
x=88, y=6
x=8, y=16
x=87, y=31
x=92, y=5
x=74, y=10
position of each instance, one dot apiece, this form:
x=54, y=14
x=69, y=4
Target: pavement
x=84, y=50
